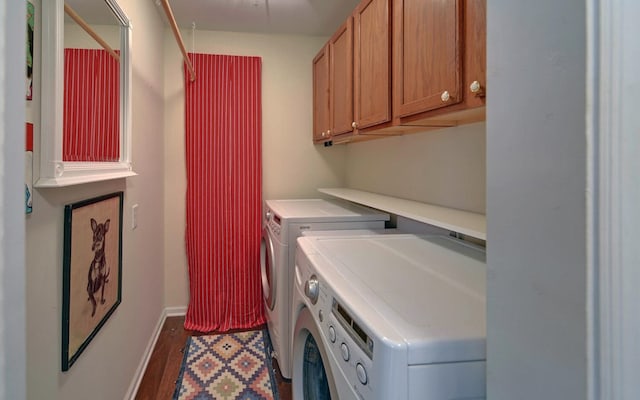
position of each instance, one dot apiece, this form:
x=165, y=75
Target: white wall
x=76, y=37
x=536, y=180
x=106, y=368
x=444, y=167
x=292, y=166
x=12, y=271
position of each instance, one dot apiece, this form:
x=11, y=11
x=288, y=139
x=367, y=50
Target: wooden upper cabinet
x=321, y=120
x=427, y=48
x=341, y=79
x=401, y=66
x=372, y=63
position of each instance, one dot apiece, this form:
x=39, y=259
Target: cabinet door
x=475, y=76
x=341, y=79
x=372, y=63
x=321, y=122
x=427, y=55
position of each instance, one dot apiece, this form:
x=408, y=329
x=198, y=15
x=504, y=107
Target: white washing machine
x=389, y=317
x=285, y=221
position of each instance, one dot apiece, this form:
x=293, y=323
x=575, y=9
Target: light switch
x=134, y=216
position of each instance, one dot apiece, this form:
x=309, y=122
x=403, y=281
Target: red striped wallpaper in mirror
x=91, y=123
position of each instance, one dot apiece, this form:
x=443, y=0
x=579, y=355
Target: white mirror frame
x=54, y=172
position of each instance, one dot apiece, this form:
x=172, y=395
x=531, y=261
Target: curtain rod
x=71, y=13
x=176, y=33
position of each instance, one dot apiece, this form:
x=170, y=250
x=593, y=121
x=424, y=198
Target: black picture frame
x=92, y=270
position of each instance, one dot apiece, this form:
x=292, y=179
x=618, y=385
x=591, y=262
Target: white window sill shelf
x=464, y=222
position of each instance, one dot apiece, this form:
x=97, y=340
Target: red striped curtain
x=224, y=189
x=91, y=122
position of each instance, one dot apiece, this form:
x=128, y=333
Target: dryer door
x=312, y=375
x=267, y=269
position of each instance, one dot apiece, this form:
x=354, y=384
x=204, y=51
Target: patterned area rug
x=227, y=367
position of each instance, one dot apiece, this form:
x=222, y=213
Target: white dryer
x=285, y=221
x=389, y=317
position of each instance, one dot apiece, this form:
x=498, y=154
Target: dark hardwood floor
x=159, y=380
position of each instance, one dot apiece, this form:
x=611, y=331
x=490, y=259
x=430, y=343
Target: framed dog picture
x=92, y=270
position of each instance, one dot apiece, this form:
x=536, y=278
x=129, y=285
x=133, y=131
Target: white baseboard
x=176, y=311
x=137, y=378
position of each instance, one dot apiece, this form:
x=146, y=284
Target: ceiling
x=306, y=17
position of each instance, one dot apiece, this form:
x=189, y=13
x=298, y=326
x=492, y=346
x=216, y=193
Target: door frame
x=613, y=192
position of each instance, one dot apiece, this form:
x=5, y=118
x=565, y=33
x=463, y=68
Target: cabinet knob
x=475, y=87
x=322, y=134
x=445, y=96
x=329, y=132
x=354, y=125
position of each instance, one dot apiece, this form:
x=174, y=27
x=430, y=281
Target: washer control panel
x=351, y=345
x=351, y=358
x=352, y=327
x=273, y=221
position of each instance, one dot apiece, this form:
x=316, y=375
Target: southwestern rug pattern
x=233, y=366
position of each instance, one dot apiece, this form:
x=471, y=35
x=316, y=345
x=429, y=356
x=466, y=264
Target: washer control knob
x=362, y=373
x=268, y=215
x=332, y=334
x=312, y=289
x=345, y=351
x=320, y=315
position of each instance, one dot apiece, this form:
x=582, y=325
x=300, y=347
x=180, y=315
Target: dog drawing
x=98, y=270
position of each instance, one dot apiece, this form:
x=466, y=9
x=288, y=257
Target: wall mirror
x=85, y=132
